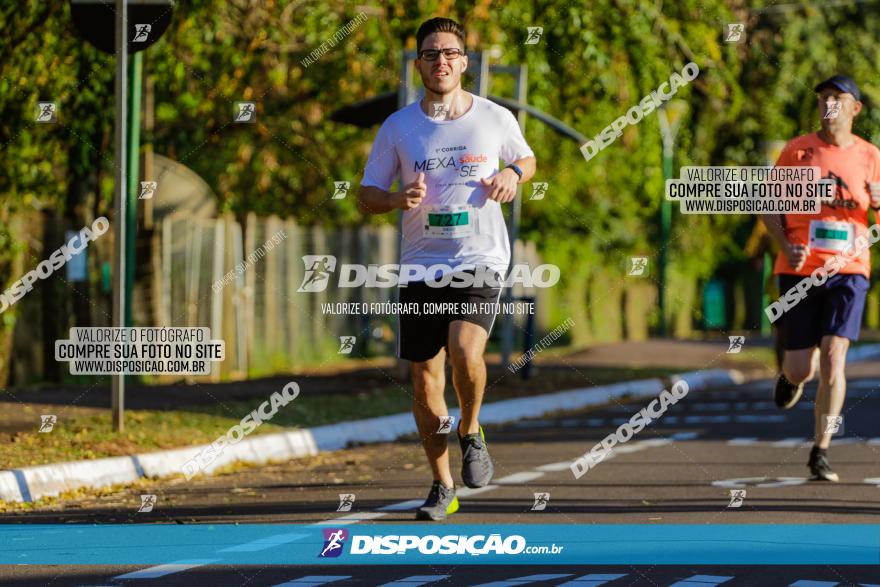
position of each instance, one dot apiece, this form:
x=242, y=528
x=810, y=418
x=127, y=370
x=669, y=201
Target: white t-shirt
x=455, y=225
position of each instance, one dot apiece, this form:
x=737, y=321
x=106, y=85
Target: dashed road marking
x=351, y=518
x=410, y=504
x=741, y=482
x=710, y=407
x=467, y=491
x=759, y=418
x=592, y=580
x=743, y=441
x=415, y=581
x=720, y=419
x=794, y=442
x=790, y=442
x=522, y=477
x=166, y=569
x=311, y=580
x=523, y=580
x=702, y=581
x=264, y=543
x=555, y=467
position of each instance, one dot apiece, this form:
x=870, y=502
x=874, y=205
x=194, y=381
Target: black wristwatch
x=516, y=170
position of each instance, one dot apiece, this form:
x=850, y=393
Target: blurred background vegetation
x=594, y=61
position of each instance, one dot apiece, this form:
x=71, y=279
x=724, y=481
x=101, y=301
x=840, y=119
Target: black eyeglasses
x=433, y=54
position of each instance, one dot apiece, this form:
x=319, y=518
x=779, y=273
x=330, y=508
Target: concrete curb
x=31, y=483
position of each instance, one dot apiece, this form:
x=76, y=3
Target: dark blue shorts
x=834, y=308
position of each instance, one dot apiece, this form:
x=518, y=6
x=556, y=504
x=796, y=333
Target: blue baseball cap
x=843, y=83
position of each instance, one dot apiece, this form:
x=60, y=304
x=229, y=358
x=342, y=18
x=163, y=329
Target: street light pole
x=119, y=205
x=670, y=116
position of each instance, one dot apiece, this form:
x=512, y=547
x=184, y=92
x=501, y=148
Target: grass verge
x=85, y=433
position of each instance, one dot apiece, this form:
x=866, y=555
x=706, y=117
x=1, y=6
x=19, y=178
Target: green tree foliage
x=595, y=60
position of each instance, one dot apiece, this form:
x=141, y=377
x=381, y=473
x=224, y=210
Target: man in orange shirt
x=830, y=316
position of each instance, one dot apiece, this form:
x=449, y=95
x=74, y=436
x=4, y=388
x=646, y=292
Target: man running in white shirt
x=446, y=148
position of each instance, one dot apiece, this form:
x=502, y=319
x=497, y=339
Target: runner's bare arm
x=796, y=254
x=503, y=184
x=528, y=166
x=775, y=224
x=372, y=200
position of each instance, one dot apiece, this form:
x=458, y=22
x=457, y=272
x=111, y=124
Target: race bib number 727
x=449, y=221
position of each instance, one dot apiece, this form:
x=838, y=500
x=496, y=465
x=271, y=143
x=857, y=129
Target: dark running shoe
x=476, y=465
x=786, y=394
x=441, y=502
x=820, y=470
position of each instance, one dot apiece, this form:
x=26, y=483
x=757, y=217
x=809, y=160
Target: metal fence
x=243, y=282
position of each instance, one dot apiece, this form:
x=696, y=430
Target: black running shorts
x=421, y=336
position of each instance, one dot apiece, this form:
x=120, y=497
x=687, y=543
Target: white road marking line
x=710, y=407
x=654, y=442
x=467, y=491
x=591, y=580
x=415, y=581
x=515, y=478
x=522, y=477
x=167, y=569
x=743, y=441
x=264, y=543
x=796, y=441
x=410, y=504
x=311, y=580
x=625, y=449
x=808, y=583
x=351, y=518
x=523, y=580
x=741, y=482
x=701, y=581
x=628, y=448
x=789, y=442
x=759, y=418
x=722, y=419
x=555, y=467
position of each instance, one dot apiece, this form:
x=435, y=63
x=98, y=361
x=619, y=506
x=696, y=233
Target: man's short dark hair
x=439, y=25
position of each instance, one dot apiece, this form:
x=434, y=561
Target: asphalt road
x=680, y=470
x=464, y=576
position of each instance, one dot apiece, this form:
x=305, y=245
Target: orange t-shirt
x=852, y=167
